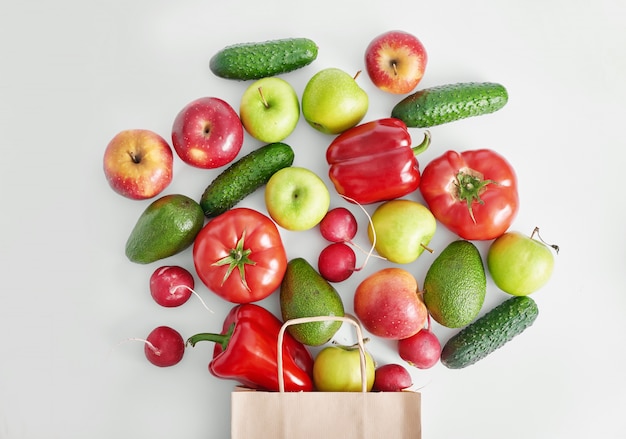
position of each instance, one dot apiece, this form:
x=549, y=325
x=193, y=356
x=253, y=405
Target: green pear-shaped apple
x=519, y=264
x=333, y=101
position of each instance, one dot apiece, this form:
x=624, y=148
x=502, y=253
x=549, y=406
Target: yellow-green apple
x=296, y=198
x=520, y=264
x=403, y=229
x=333, y=101
x=388, y=304
x=207, y=133
x=138, y=164
x=270, y=109
x=395, y=61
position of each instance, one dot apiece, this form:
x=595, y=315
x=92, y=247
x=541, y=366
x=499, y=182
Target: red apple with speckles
x=395, y=61
x=138, y=164
x=207, y=133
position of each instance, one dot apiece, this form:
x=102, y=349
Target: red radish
x=171, y=286
x=421, y=350
x=337, y=262
x=339, y=225
x=164, y=346
x=391, y=378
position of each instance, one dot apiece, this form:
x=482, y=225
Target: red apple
x=395, y=61
x=138, y=164
x=207, y=133
x=388, y=305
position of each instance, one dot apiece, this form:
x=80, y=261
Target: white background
x=75, y=73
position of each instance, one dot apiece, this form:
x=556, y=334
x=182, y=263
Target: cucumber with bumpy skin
x=259, y=60
x=244, y=177
x=489, y=332
x=447, y=103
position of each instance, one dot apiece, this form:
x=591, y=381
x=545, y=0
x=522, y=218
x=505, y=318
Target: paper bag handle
x=349, y=319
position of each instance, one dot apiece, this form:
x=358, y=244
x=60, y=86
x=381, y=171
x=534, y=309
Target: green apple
x=296, y=198
x=333, y=101
x=269, y=109
x=403, y=229
x=519, y=264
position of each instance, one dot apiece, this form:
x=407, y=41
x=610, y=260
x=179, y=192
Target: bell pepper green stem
x=417, y=150
x=222, y=339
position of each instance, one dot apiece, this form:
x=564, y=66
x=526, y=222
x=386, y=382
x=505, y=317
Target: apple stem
x=395, y=68
x=174, y=288
x=356, y=75
x=554, y=246
x=263, y=98
x=417, y=150
x=133, y=157
x=428, y=249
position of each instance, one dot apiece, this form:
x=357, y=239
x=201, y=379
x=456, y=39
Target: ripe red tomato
x=239, y=255
x=472, y=193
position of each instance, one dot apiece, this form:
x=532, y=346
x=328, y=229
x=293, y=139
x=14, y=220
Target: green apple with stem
x=333, y=101
x=269, y=109
x=296, y=198
x=520, y=264
x=401, y=230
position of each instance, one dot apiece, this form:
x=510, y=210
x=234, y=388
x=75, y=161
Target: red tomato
x=473, y=193
x=239, y=255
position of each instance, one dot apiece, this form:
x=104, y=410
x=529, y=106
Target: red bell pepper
x=246, y=351
x=375, y=162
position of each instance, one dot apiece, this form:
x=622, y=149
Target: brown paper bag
x=312, y=415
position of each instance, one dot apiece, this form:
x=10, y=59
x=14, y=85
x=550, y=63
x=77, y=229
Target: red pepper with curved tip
x=375, y=161
x=246, y=351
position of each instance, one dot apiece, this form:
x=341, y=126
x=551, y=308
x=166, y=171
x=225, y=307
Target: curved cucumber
x=259, y=60
x=489, y=332
x=244, y=177
x=447, y=103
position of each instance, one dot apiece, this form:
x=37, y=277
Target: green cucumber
x=447, y=103
x=489, y=332
x=244, y=176
x=259, y=60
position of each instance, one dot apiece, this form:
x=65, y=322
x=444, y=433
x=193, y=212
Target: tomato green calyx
x=237, y=258
x=222, y=339
x=469, y=187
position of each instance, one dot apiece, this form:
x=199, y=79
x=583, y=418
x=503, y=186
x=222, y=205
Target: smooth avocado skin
x=455, y=285
x=447, y=103
x=305, y=293
x=249, y=61
x=489, y=332
x=168, y=226
x=244, y=177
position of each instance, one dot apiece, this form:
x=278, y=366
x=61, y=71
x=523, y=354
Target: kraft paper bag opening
x=311, y=415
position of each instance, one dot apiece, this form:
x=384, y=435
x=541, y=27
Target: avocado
x=168, y=226
x=455, y=285
x=305, y=293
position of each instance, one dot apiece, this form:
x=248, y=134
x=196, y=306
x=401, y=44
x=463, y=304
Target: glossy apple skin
x=518, y=264
x=296, y=198
x=270, y=109
x=138, y=164
x=388, y=305
x=395, y=61
x=207, y=133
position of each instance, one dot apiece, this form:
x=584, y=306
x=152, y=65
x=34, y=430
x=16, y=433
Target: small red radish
x=391, y=378
x=338, y=225
x=164, y=346
x=421, y=350
x=337, y=262
x=171, y=286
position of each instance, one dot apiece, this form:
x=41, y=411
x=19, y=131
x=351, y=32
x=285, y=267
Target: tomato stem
x=469, y=188
x=237, y=258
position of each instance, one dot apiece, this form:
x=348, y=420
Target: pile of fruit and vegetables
x=238, y=252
